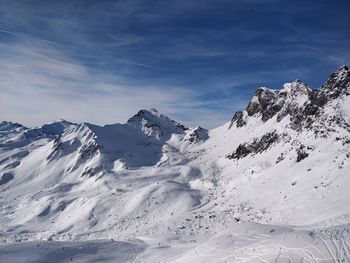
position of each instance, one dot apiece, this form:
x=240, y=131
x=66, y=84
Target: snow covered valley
x=271, y=185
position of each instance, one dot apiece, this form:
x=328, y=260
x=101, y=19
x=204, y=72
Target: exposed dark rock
x=155, y=124
x=338, y=83
x=57, y=143
x=317, y=98
x=238, y=119
x=297, y=121
x=266, y=141
x=267, y=103
x=61, y=148
x=311, y=109
x=280, y=158
x=264, y=102
x=91, y=171
x=283, y=113
x=270, y=112
x=257, y=146
x=242, y=151
x=345, y=140
x=301, y=153
x=57, y=147
x=180, y=126
x=89, y=150
x=198, y=134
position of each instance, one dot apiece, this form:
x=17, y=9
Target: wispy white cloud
x=41, y=84
x=102, y=61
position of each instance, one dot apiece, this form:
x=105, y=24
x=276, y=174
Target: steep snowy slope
x=106, y=178
x=289, y=151
x=17, y=141
x=268, y=186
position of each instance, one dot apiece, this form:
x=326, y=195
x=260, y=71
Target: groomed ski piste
x=270, y=185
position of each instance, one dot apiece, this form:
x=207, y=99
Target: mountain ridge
x=275, y=173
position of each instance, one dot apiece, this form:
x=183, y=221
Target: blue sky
x=196, y=61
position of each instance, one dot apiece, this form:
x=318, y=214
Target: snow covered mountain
x=271, y=185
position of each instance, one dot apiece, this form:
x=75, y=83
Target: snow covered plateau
x=271, y=185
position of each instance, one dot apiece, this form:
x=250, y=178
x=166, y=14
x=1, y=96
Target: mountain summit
x=296, y=100
x=155, y=124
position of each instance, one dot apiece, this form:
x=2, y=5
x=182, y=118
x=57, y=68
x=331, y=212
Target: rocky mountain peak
x=154, y=124
x=265, y=102
x=296, y=100
x=296, y=87
x=57, y=127
x=338, y=83
x=343, y=70
x=49, y=130
x=9, y=126
x=150, y=115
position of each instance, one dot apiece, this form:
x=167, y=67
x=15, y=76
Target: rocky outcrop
x=89, y=149
x=8, y=126
x=338, y=84
x=258, y=145
x=301, y=153
x=155, y=124
x=295, y=100
x=91, y=171
x=238, y=119
x=56, y=148
x=266, y=102
x=196, y=135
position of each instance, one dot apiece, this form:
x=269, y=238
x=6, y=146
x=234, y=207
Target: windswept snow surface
x=269, y=186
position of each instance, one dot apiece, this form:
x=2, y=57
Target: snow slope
x=268, y=186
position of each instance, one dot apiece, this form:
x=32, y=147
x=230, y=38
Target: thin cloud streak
x=101, y=61
x=53, y=86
